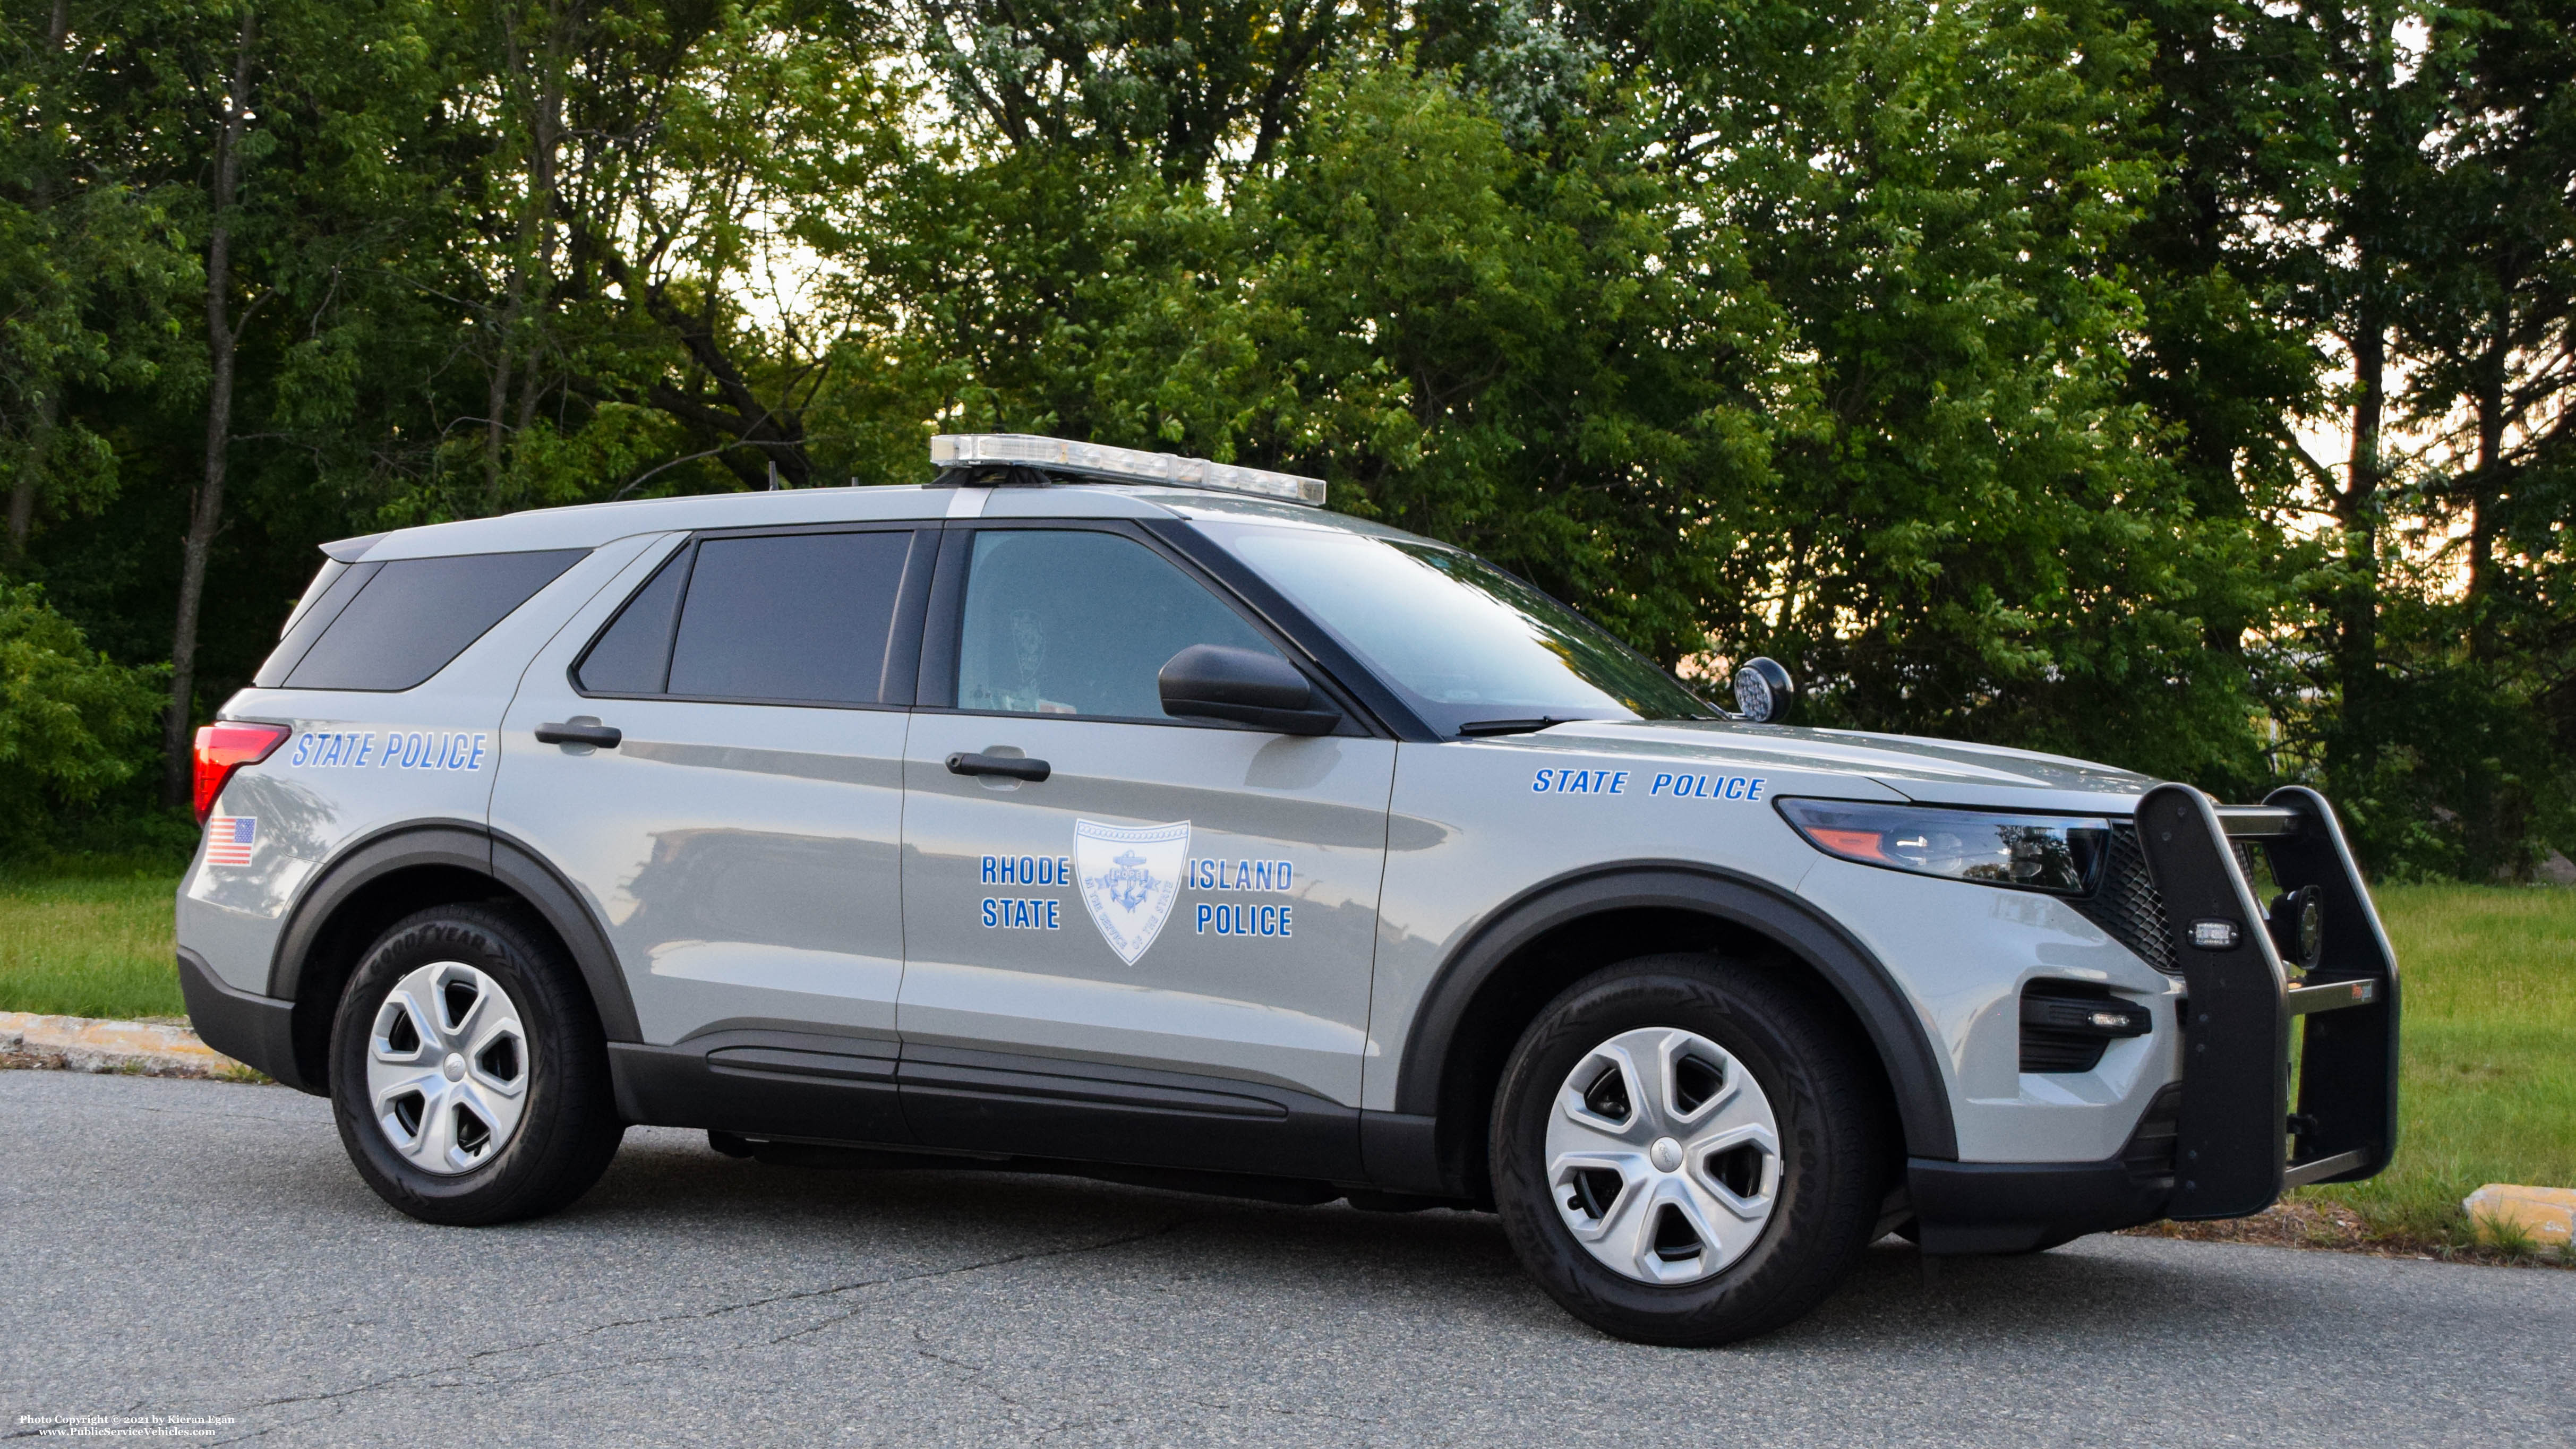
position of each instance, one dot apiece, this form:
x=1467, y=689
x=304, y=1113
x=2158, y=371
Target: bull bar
x=2238, y=1146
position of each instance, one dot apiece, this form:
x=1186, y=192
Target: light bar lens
x=2060, y=854
x=1125, y=465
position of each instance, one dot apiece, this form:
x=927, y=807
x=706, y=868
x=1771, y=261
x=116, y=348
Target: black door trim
x=1029, y=1106
x=762, y=1082
x=808, y=1087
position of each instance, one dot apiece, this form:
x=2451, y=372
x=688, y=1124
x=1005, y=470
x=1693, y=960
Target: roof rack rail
x=1118, y=465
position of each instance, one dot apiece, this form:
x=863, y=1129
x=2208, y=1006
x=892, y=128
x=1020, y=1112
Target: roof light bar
x=1125, y=465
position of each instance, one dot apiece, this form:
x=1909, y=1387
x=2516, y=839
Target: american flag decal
x=228, y=839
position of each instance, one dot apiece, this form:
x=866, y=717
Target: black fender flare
x=524, y=871
x=463, y=845
x=1894, y=1027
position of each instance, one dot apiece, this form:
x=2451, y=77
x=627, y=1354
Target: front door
x=1169, y=936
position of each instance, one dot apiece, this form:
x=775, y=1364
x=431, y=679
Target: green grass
x=2487, y=1085
x=95, y=944
x=2488, y=1092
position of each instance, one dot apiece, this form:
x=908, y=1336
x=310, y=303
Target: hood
x=1945, y=772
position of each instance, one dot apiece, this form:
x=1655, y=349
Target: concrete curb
x=2545, y=1215
x=87, y=1044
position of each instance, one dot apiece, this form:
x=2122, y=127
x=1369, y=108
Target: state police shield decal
x=1130, y=875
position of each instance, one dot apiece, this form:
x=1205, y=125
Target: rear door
x=1160, y=952
x=738, y=841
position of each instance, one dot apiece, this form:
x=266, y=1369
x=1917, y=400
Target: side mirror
x=1247, y=686
x=1762, y=691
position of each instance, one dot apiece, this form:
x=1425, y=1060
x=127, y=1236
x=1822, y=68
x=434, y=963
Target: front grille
x=2126, y=903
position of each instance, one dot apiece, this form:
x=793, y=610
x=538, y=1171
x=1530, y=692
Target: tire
x=524, y=1128
x=1763, y=1128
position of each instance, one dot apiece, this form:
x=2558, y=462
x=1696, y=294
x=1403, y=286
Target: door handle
x=1016, y=768
x=578, y=733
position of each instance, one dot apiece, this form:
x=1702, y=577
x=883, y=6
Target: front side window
x=1072, y=622
x=1462, y=641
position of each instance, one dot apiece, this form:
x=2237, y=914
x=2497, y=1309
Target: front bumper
x=2014, y=1207
x=2223, y=1141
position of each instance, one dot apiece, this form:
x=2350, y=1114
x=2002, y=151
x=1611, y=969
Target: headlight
x=2061, y=854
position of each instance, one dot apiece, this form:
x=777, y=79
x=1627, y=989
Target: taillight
x=226, y=746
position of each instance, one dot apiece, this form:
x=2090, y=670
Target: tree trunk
x=536, y=234
x=548, y=134
x=206, y=510
x=22, y=493
x=2357, y=511
x=499, y=397
x=2486, y=489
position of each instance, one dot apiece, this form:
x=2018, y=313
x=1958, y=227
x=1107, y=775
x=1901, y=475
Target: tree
x=274, y=122
x=69, y=717
x=84, y=267
x=1959, y=354
x=2377, y=191
x=2488, y=333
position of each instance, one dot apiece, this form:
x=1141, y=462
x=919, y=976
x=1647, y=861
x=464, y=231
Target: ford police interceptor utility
x=1108, y=812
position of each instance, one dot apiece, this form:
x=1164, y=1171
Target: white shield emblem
x=1130, y=876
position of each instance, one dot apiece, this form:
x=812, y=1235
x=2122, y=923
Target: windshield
x=1465, y=643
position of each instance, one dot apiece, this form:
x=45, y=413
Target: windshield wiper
x=1479, y=728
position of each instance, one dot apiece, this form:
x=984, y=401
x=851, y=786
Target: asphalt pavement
x=202, y=1249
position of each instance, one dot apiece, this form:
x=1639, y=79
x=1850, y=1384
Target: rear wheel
x=469, y=1073
x=1686, y=1152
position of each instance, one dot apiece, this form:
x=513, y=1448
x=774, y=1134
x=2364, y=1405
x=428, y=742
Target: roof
x=589, y=525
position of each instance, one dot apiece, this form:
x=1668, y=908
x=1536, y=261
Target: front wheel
x=1686, y=1151
x=468, y=1070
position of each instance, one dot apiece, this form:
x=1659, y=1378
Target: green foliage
x=1977, y=532
x=1971, y=358
x=70, y=718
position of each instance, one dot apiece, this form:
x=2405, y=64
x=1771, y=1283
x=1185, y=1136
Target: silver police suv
x=1113, y=813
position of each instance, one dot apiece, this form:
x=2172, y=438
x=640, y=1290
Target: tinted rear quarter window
x=793, y=618
x=407, y=619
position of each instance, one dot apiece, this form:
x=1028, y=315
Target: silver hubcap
x=1663, y=1155
x=447, y=1068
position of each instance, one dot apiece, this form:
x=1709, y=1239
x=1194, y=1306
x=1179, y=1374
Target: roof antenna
x=773, y=475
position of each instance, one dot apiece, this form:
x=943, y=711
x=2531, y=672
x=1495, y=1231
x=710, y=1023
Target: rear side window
x=805, y=618
x=402, y=621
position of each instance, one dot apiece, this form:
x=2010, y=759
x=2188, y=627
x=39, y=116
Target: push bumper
x=258, y=1031
x=2223, y=1141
